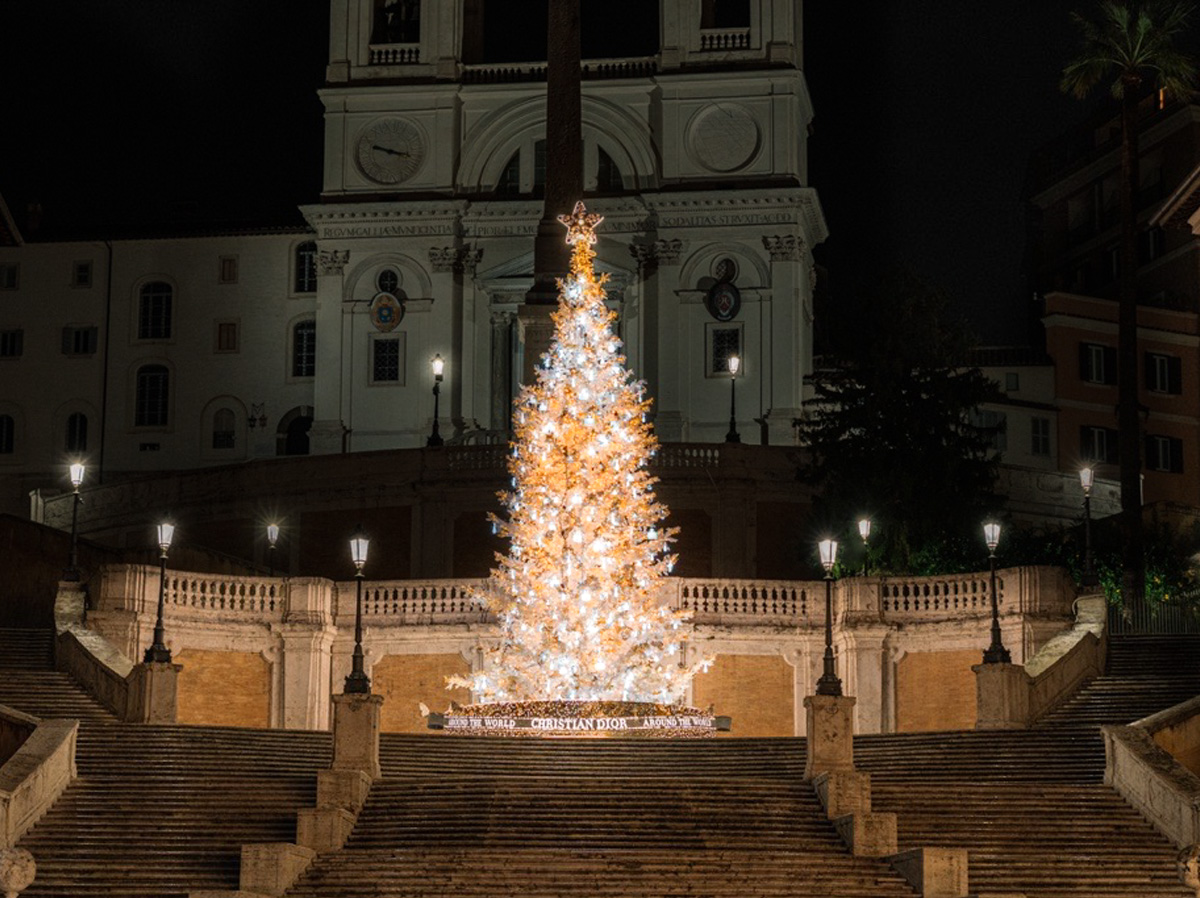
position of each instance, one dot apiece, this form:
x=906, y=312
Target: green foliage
x=891, y=435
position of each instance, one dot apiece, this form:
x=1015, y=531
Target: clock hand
x=389, y=150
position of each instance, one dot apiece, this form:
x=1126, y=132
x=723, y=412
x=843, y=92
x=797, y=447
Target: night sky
x=124, y=111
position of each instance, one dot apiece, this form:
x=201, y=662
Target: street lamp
x=733, y=437
x=72, y=573
x=1086, y=479
x=439, y=366
x=158, y=652
x=357, y=681
x=828, y=684
x=272, y=540
x=864, y=531
x=996, y=653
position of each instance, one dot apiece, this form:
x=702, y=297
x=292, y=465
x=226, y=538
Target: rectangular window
x=79, y=340
x=148, y=448
x=991, y=419
x=1012, y=381
x=1098, y=445
x=229, y=270
x=1150, y=245
x=227, y=337
x=724, y=341
x=1164, y=374
x=10, y=276
x=81, y=274
x=1039, y=443
x=306, y=268
x=387, y=360
x=1098, y=364
x=12, y=343
x=304, y=349
x=1163, y=453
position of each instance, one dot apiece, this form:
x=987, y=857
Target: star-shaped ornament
x=581, y=224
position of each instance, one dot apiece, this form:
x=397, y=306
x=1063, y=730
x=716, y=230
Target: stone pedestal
x=843, y=793
x=153, y=692
x=1002, y=695
x=342, y=789
x=356, y=732
x=868, y=834
x=324, y=830
x=268, y=870
x=830, y=735
x=17, y=870
x=934, y=871
x=69, y=605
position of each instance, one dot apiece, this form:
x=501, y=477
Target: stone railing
x=412, y=602
x=687, y=456
x=238, y=595
x=97, y=665
x=725, y=39
x=938, y=597
x=36, y=774
x=632, y=67
x=395, y=54
x=1141, y=768
x=727, y=601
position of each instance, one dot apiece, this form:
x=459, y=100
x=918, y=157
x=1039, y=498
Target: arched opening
x=291, y=437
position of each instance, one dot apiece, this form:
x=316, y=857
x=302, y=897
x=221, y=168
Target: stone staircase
x=29, y=682
x=457, y=816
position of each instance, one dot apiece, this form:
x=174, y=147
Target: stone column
x=356, y=732
x=471, y=385
x=789, y=339
x=664, y=308
x=502, y=363
x=307, y=663
x=829, y=742
x=328, y=427
x=444, y=336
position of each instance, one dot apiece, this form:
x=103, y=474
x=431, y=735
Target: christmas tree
x=577, y=597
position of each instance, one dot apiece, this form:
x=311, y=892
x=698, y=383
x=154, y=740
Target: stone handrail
x=713, y=601
x=97, y=665
x=1027, y=589
x=1013, y=696
x=256, y=597
x=36, y=774
x=1150, y=777
x=443, y=600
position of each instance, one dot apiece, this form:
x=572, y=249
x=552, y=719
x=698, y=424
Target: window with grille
x=387, y=360
x=996, y=423
x=77, y=428
x=608, y=176
x=81, y=274
x=304, y=349
x=1039, y=444
x=723, y=342
x=10, y=276
x=306, y=268
x=79, y=340
x=152, y=396
x=388, y=281
x=510, y=179
x=224, y=429
x=12, y=343
x=8, y=434
x=227, y=337
x=154, y=311
x=228, y=270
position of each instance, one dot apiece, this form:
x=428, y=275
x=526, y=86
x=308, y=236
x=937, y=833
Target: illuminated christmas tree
x=577, y=595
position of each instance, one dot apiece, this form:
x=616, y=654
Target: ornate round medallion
x=390, y=150
x=723, y=301
x=723, y=137
x=387, y=311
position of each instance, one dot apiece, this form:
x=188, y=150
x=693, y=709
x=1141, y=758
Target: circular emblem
x=723, y=301
x=390, y=150
x=387, y=311
x=723, y=137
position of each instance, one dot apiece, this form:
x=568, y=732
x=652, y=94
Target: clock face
x=390, y=150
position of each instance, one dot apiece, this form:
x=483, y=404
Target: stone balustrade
x=395, y=54
x=191, y=593
x=724, y=39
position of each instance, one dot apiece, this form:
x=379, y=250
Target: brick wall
x=757, y=691
x=936, y=691
x=224, y=688
x=408, y=680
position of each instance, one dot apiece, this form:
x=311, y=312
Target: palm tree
x=1130, y=46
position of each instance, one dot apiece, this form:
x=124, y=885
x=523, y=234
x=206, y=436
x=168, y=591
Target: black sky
x=926, y=114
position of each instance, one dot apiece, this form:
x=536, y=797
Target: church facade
x=177, y=353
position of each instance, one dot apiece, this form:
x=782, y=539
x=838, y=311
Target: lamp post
x=996, y=653
x=357, y=681
x=733, y=437
x=158, y=652
x=864, y=531
x=272, y=540
x=439, y=366
x=72, y=572
x=1086, y=479
x=828, y=684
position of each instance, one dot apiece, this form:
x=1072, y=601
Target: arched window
x=8, y=429
x=77, y=425
x=153, y=396
x=154, y=311
x=510, y=179
x=224, y=429
x=304, y=349
x=306, y=268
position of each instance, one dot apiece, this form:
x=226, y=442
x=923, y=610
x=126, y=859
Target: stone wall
x=935, y=690
x=406, y=681
x=758, y=692
x=223, y=688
